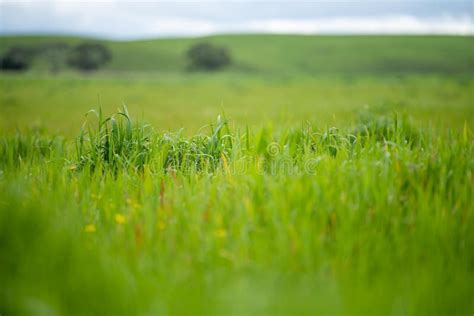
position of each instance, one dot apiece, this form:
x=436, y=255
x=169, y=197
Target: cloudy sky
x=126, y=19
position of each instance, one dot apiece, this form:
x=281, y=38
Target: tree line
x=92, y=56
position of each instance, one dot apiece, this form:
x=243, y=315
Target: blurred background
x=115, y=220
x=181, y=63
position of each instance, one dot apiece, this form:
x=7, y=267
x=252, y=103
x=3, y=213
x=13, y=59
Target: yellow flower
x=221, y=233
x=161, y=225
x=120, y=219
x=90, y=228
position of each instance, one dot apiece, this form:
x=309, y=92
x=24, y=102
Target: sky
x=125, y=19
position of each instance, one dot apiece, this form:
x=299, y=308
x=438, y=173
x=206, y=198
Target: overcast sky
x=123, y=19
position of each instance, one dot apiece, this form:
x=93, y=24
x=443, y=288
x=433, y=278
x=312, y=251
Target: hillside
x=291, y=54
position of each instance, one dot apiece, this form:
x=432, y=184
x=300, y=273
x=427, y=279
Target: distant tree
x=17, y=58
x=207, y=56
x=89, y=56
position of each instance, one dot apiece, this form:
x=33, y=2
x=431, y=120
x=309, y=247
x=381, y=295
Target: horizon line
x=217, y=34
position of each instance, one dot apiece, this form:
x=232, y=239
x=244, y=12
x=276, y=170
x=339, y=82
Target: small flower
x=161, y=225
x=90, y=228
x=221, y=233
x=120, y=219
x=72, y=167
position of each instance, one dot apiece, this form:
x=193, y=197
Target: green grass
x=274, y=79
x=192, y=101
x=339, y=183
x=291, y=54
x=376, y=218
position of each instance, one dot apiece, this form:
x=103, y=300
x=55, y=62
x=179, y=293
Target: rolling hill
x=292, y=54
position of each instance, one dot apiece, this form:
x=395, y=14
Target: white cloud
x=124, y=19
x=368, y=25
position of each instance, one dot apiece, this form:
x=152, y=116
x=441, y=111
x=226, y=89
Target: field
x=316, y=175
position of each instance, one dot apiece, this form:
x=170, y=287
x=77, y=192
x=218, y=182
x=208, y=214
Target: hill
x=292, y=54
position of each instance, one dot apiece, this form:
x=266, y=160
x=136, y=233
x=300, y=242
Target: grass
x=339, y=183
x=279, y=80
x=167, y=102
x=293, y=54
x=376, y=218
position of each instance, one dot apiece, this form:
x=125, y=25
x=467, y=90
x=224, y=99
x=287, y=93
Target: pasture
x=315, y=175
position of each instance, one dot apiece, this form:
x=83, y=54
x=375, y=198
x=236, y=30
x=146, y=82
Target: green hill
x=274, y=78
x=292, y=54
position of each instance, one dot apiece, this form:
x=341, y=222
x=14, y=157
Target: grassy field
x=278, y=79
x=317, y=175
x=279, y=55
x=194, y=101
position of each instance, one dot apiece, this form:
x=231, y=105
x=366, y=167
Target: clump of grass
x=113, y=142
x=200, y=152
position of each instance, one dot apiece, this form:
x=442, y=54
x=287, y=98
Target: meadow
x=316, y=175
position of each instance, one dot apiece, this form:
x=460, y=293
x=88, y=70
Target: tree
x=207, y=56
x=89, y=56
x=17, y=58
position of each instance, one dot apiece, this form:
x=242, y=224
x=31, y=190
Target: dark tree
x=89, y=56
x=17, y=58
x=207, y=56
